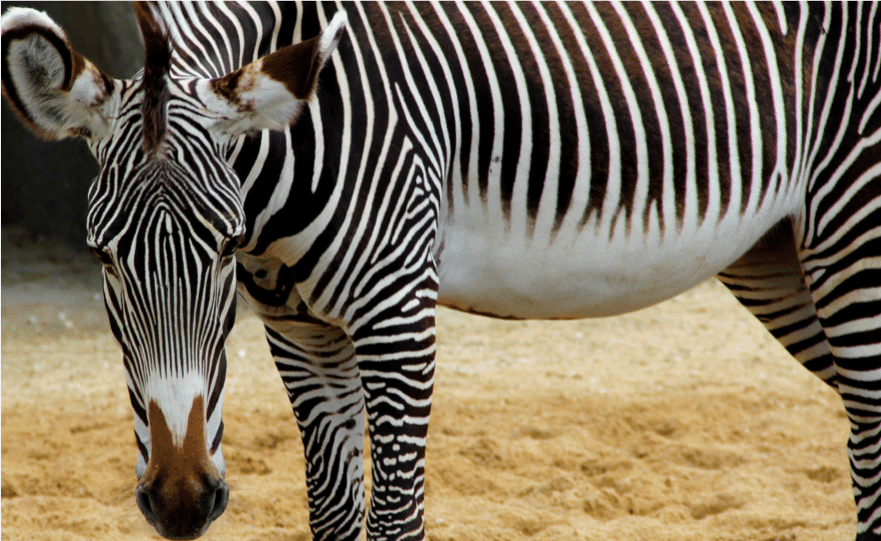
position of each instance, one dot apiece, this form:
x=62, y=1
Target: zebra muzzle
x=181, y=492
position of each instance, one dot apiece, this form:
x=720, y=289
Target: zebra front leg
x=396, y=357
x=317, y=365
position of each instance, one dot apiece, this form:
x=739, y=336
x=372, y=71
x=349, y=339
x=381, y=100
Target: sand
x=684, y=421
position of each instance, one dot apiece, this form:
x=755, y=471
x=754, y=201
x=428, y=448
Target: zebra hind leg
x=317, y=365
x=769, y=282
x=844, y=271
x=823, y=304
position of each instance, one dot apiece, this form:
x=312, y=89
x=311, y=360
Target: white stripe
x=713, y=201
x=280, y=190
x=781, y=17
x=439, y=147
x=731, y=121
x=755, y=126
x=774, y=76
x=874, y=39
x=547, y=206
x=255, y=19
x=518, y=211
x=493, y=191
x=613, y=185
x=179, y=32
x=237, y=57
x=690, y=213
x=363, y=228
x=467, y=182
x=798, y=162
x=220, y=54
x=870, y=175
x=668, y=197
x=581, y=190
x=819, y=168
x=389, y=204
x=640, y=140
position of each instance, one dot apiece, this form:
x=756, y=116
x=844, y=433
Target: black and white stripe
x=524, y=160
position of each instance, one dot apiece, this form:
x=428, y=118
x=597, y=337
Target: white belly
x=485, y=269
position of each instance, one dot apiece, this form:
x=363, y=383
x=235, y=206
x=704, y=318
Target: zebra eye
x=102, y=256
x=229, y=245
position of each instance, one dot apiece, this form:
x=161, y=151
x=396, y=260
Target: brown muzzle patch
x=181, y=491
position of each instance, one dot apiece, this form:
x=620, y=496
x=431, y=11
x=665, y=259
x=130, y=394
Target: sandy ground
x=685, y=421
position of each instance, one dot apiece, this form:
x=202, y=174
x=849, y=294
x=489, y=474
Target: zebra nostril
x=142, y=497
x=221, y=499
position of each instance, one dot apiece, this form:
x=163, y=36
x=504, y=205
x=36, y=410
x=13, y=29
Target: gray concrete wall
x=44, y=184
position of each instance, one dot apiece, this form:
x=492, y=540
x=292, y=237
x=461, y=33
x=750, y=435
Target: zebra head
x=165, y=217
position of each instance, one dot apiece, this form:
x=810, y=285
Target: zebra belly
x=484, y=269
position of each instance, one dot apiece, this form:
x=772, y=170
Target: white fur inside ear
x=266, y=104
x=36, y=69
x=33, y=61
x=36, y=63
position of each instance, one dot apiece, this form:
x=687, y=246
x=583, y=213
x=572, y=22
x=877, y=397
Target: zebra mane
x=157, y=63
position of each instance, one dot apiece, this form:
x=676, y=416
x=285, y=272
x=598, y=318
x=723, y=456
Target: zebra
x=346, y=168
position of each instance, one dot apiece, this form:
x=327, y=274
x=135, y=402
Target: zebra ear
x=269, y=93
x=56, y=91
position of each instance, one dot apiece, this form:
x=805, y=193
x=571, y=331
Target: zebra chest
x=268, y=287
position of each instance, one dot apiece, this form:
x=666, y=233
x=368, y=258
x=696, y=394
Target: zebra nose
x=221, y=498
x=181, y=491
x=182, y=510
